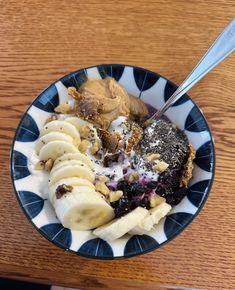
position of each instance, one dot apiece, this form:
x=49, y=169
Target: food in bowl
x=107, y=172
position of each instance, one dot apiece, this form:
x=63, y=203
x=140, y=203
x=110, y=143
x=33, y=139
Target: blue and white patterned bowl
x=152, y=89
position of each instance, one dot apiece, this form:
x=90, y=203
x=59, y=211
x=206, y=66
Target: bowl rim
x=190, y=220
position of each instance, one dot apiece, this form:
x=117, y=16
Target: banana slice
x=83, y=209
x=119, y=227
x=152, y=219
x=68, y=162
x=55, y=149
x=53, y=136
x=63, y=127
x=74, y=181
x=75, y=156
x=71, y=171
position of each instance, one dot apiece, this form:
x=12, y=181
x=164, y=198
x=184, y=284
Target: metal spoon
x=220, y=49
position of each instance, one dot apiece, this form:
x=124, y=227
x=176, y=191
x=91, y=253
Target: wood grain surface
x=40, y=41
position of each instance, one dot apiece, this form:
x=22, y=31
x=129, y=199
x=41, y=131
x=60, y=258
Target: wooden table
x=43, y=40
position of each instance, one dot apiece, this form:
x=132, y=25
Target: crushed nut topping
x=84, y=145
x=115, y=195
x=155, y=200
x=133, y=177
x=51, y=118
x=49, y=164
x=62, y=190
x=152, y=156
x=187, y=174
x=102, y=187
x=161, y=166
x=63, y=109
x=109, y=158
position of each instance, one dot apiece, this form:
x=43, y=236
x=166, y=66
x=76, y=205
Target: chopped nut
x=156, y=200
x=109, y=158
x=84, y=145
x=40, y=165
x=62, y=190
x=102, y=187
x=115, y=195
x=74, y=93
x=103, y=178
x=187, y=174
x=161, y=166
x=85, y=131
x=134, y=139
x=133, y=177
x=95, y=147
x=51, y=118
x=152, y=156
x=49, y=164
x=63, y=109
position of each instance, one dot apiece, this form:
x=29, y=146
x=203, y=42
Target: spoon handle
x=221, y=48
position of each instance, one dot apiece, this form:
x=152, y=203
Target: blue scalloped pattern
x=28, y=130
x=114, y=71
x=139, y=244
x=97, y=248
x=204, y=156
x=74, y=80
x=197, y=192
x=195, y=121
x=32, y=203
x=20, y=168
x=58, y=234
x=169, y=90
x=48, y=100
x=175, y=222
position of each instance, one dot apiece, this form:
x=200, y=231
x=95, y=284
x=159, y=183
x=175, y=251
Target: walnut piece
x=85, y=131
x=161, y=166
x=115, y=195
x=84, y=145
x=133, y=176
x=62, y=190
x=152, y=156
x=102, y=187
x=187, y=174
x=49, y=164
x=95, y=147
x=51, y=118
x=155, y=200
x=63, y=109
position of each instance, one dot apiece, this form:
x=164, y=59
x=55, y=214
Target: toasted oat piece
x=115, y=195
x=152, y=156
x=102, y=187
x=187, y=174
x=161, y=166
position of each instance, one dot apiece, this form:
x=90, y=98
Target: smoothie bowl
x=94, y=180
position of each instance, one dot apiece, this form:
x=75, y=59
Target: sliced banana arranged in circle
x=55, y=149
x=71, y=171
x=119, y=227
x=154, y=216
x=53, y=136
x=63, y=127
x=83, y=209
x=75, y=156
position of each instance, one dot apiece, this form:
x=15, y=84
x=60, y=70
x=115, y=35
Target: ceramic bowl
x=153, y=89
